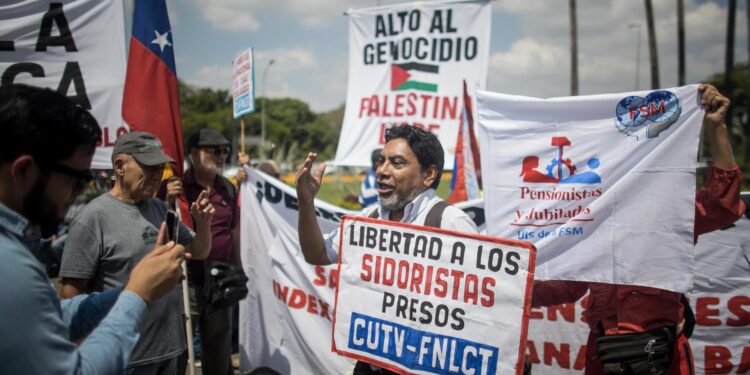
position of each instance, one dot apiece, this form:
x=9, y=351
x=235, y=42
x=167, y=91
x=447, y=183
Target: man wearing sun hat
x=114, y=231
x=207, y=151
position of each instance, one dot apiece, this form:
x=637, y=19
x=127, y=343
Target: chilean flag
x=151, y=101
x=466, y=168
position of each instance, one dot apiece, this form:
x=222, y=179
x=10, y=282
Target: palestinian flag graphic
x=415, y=76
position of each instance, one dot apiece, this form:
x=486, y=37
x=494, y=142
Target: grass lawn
x=336, y=188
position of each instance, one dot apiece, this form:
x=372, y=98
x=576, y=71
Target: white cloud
x=538, y=64
x=247, y=15
x=213, y=76
x=229, y=15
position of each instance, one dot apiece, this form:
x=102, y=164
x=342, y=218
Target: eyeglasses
x=217, y=151
x=82, y=177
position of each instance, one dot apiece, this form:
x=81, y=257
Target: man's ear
x=23, y=172
x=430, y=174
x=118, y=166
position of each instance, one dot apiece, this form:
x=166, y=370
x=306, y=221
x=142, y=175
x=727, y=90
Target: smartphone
x=172, y=224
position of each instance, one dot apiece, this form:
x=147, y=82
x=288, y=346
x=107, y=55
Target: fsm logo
x=656, y=113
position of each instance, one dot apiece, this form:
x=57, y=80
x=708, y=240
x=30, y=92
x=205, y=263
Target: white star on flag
x=161, y=40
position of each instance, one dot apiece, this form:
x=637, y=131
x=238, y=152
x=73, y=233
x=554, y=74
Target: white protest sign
x=603, y=185
x=425, y=300
x=243, y=83
x=407, y=64
x=76, y=48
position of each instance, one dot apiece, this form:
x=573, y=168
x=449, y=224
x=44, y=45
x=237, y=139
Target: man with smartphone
x=207, y=152
x=117, y=229
x=45, y=159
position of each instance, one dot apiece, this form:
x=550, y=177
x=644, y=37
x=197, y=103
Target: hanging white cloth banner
x=407, y=63
x=76, y=48
x=602, y=185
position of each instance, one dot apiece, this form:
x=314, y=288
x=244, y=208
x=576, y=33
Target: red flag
x=151, y=101
x=466, y=167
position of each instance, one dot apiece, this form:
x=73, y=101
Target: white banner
x=286, y=320
x=243, y=83
x=407, y=63
x=603, y=185
x=720, y=301
x=74, y=47
x=424, y=300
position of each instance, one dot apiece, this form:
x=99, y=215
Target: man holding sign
x=408, y=172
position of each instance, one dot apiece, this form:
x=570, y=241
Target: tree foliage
x=290, y=123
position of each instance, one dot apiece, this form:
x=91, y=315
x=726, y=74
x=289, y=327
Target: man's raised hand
x=308, y=183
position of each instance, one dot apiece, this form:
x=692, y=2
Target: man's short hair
x=375, y=156
x=423, y=144
x=44, y=124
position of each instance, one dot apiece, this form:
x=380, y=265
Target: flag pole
x=186, y=301
x=242, y=134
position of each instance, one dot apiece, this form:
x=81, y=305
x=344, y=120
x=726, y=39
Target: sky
x=529, y=45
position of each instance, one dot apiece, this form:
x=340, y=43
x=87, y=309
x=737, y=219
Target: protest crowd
x=160, y=272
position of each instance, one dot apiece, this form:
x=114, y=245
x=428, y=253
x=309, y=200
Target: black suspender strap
x=433, y=219
x=435, y=216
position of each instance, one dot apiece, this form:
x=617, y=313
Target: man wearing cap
x=207, y=151
x=114, y=231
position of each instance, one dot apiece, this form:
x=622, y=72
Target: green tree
x=290, y=123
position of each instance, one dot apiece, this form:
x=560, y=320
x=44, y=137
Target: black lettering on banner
x=388, y=300
x=426, y=310
x=458, y=314
x=55, y=14
x=290, y=202
x=436, y=247
x=328, y=215
x=457, y=256
x=72, y=74
x=471, y=48
x=437, y=22
x=420, y=246
x=273, y=194
x=371, y=237
x=7, y=46
x=512, y=262
x=379, y=26
x=395, y=241
x=259, y=191
x=9, y=75
x=381, y=240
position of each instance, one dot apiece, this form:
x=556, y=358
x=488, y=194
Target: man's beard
x=396, y=203
x=37, y=207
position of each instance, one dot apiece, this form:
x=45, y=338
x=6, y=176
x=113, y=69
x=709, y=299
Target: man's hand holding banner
x=427, y=300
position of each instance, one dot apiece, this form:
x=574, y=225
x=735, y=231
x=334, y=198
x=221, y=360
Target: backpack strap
x=433, y=219
x=435, y=216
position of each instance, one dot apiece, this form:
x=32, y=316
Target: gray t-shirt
x=106, y=240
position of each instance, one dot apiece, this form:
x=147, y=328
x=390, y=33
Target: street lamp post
x=263, y=106
x=637, y=27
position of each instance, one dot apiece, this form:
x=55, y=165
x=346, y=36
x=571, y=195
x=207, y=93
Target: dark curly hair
x=44, y=124
x=424, y=145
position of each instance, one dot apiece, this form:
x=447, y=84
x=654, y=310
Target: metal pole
x=186, y=301
x=637, y=27
x=263, y=106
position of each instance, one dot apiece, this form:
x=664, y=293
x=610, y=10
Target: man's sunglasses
x=82, y=177
x=217, y=151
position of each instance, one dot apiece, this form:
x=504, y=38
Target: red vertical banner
x=151, y=101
